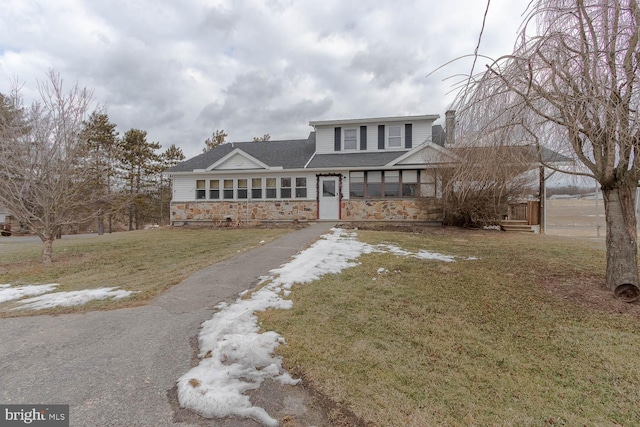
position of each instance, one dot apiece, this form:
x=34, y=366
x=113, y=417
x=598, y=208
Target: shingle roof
x=355, y=159
x=289, y=154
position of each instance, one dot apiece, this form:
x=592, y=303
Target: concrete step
x=516, y=226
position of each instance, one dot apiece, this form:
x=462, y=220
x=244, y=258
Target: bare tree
x=263, y=138
x=218, y=137
x=43, y=179
x=573, y=85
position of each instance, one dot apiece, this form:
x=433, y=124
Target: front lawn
x=146, y=262
x=522, y=336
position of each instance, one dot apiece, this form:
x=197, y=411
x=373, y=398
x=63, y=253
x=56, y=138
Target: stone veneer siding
x=277, y=210
x=387, y=210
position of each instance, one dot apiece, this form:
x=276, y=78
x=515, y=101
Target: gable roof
x=288, y=154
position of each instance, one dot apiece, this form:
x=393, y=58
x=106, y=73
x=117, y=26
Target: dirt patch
x=590, y=293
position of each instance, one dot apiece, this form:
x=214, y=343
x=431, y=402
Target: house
x=375, y=169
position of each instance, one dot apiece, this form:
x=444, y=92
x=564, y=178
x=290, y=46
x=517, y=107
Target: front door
x=329, y=197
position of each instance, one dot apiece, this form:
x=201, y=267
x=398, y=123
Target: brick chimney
x=450, y=126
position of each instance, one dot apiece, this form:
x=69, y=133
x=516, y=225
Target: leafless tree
x=572, y=83
x=43, y=179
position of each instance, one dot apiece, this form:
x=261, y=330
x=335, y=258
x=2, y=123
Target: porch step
x=515, y=225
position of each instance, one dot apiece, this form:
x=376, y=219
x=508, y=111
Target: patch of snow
x=8, y=293
x=235, y=356
x=71, y=298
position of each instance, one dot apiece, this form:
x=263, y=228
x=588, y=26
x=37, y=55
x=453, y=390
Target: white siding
x=422, y=132
x=325, y=135
x=238, y=162
x=324, y=140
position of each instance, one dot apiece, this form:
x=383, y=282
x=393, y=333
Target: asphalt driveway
x=119, y=367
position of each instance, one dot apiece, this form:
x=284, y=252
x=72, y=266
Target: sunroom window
x=228, y=189
x=301, y=188
x=201, y=191
x=242, y=188
x=214, y=189
x=271, y=188
x=285, y=188
x=256, y=188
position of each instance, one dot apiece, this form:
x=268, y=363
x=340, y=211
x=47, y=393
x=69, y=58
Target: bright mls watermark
x=34, y=415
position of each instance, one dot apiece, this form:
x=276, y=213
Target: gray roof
x=289, y=154
x=354, y=159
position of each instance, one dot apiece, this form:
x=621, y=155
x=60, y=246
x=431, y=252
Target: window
x=201, y=191
x=256, y=188
x=350, y=139
x=301, y=188
x=409, y=183
x=214, y=189
x=242, y=189
x=285, y=188
x=395, y=137
x=328, y=188
x=228, y=189
x=356, y=184
x=374, y=184
x=391, y=183
x=271, y=188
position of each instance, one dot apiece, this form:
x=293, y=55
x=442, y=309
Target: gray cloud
x=183, y=69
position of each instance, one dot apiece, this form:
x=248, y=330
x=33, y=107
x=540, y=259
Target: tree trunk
x=100, y=224
x=622, y=249
x=47, y=249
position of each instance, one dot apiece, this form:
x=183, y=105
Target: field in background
x=576, y=217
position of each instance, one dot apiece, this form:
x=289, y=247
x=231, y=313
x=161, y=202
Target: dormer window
x=395, y=137
x=350, y=139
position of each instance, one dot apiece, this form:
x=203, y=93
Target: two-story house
x=376, y=169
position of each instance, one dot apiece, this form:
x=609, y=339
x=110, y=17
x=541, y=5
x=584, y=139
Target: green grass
x=147, y=261
x=470, y=343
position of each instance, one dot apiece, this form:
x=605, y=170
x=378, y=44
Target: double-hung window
x=256, y=188
x=271, y=188
x=350, y=139
x=285, y=188
x=201, y=191
x=242, y=188
x=227, y=193
x=214, y=189
x=395, y=137
x=301, y=188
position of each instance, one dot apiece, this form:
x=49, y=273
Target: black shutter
x=408, y=136
x=380, y=137
x=363, y=137
x=337, y=141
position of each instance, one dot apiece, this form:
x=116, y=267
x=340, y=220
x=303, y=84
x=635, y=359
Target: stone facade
x=388, y=210
x=214, y=212
x=290, y=210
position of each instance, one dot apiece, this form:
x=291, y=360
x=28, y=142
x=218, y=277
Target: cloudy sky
x=180, y=69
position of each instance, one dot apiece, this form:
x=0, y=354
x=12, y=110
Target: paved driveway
x=119, y=367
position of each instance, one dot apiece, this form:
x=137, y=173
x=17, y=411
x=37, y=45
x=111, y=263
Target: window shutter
x=337, y=139
x=408, y=136
x=380, y=137
x=363, y=137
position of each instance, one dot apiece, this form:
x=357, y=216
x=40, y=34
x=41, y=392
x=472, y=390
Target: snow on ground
x=8, y=293
x=71, y=298
x=236, y=357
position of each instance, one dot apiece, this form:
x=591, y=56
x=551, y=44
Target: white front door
x=329, y=197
